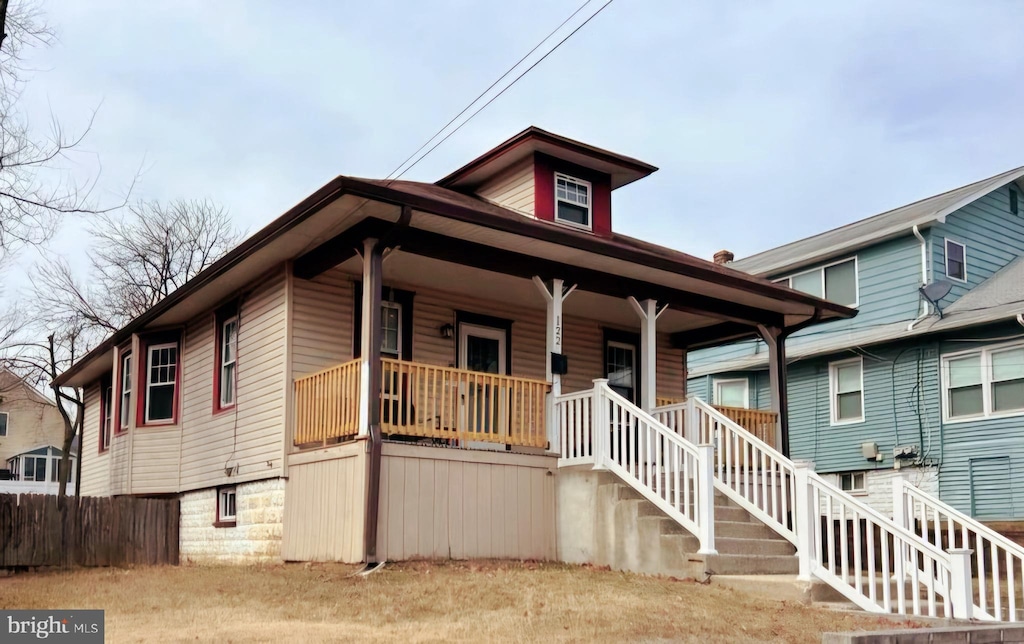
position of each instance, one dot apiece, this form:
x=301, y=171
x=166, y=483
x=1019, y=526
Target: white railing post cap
x=600, y=381
x=960, y=552
x=804, y=465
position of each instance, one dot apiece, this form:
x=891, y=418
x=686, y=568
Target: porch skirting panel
x=438, y=503
x=325, y=504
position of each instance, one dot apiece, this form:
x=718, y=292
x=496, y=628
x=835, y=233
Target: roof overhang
x=322, y=232
x=622, y=169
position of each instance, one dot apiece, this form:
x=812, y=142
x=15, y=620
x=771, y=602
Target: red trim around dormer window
x=544, y=169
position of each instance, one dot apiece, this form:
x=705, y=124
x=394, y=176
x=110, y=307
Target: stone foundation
x=256, y=536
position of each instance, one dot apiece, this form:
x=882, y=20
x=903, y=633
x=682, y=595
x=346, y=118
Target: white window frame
x=397, y=353
x=986, y=383
x=224, y=364
x=590, y=202
x=833, y=392
x=124, y=395
x=788, y=280
x=633, y=350
x=149, y=380
x=222, y=495
x=863, y=489
x=945, y=259
x=7, y=424
x=728, y=381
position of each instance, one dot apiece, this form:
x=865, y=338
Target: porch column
x=370, y=340
x=554, y=298
x=648, y=312
x=775, y=338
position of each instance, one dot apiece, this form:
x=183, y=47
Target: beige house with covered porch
x=395, y=370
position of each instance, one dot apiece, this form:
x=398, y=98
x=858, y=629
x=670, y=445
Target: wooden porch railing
x=460, y=405
x=327, y=404
x=759, y=423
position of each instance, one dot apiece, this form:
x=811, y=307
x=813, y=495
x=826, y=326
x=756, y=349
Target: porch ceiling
x=412, y=271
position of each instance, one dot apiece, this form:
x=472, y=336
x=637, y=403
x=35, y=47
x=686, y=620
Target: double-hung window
x=956, y=261
x=125, y=394
x=572, y=201
x=3, y=424
x=846, y=386
x=161, y=380
x=983, y=383
x=228, y=361
x=836, y=282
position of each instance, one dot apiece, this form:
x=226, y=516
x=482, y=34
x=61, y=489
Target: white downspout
x=925, y=309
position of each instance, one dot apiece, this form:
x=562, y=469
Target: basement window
x=226, y=498
x=572, y=201
x=853, y=482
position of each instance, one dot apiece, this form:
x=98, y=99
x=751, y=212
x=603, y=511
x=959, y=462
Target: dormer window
x=572, y=201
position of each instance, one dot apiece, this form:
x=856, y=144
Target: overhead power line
x=504, y=89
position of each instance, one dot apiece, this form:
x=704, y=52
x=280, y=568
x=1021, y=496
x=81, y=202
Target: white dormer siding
x=513, y=188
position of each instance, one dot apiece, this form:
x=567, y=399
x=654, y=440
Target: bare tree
x=137, y=259
x=35, y=191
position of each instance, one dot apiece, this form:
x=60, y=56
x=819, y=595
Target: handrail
x=994, y=567
x=460, y=405
x=747, y=469
x=605, y=429
x=327, y=404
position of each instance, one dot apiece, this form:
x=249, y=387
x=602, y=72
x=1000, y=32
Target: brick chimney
x=724, y=257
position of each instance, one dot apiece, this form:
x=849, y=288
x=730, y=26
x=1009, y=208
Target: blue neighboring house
x=901, y=387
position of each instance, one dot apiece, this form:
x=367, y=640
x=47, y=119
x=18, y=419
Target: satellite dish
x=936, y=291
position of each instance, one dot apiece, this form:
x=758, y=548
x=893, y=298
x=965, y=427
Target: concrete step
x=745, y=530
x=764, y=547
x=751, y=564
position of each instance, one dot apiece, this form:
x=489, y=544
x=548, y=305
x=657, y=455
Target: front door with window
x=482, y=349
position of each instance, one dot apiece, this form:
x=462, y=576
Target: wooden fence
x=44, y=530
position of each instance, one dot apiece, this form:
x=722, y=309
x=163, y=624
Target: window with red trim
x=125, y=376
x=225, y=374
x=158, y=379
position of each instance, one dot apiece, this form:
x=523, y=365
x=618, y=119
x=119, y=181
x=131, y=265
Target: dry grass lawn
x=420, y=602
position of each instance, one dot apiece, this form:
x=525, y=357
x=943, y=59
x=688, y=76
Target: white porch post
x=369, y=351
x=961, y=587
x=648, y=312
x=899, y=504
x=705, y=480
x=554, y=298
x=806, y=521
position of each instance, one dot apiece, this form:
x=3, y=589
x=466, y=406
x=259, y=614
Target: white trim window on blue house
x=837, y=282
x=983, y=383
x=956, y=260
x=732, y=392
x=846, y=387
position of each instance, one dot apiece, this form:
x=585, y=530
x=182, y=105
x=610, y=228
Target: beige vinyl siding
x=155, y=452
x=583, y=344
x=324, y=505
x=322, y=322
x=513, y=188
x=671, y=381
x=249, y=436
x=120, y=463
x=440, y=503
x=95, y=465
x=432, y=309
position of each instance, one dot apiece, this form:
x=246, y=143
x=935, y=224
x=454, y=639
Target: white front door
x=482, y=349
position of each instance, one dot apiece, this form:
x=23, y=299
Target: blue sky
x=770, y=121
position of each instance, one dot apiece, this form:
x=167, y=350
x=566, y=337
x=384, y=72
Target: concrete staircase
x=657, y=544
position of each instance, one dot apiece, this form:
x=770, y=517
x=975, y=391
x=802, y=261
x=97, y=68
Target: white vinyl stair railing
x=602, y=428
x=997, y=563
x=747, y=470
x=839, y=540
